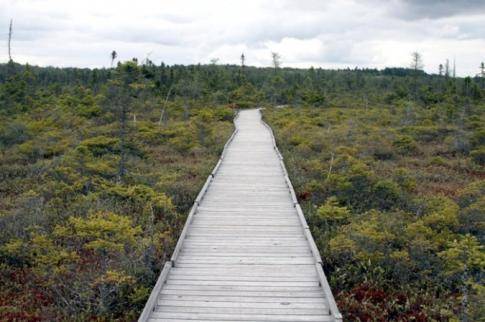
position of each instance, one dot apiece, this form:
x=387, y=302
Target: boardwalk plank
x=210, y=303
x=163, y=316
x=241, y=300
x=239, y=310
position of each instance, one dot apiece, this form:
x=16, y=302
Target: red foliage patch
x=305, y=195
x=367, y=302
x=20, y=300
x=19, y=316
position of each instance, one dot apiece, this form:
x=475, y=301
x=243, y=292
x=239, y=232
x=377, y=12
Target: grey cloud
x=435, y=9
x=142, y=35
x=472, y=30
x=31, y=26
x=177, y=19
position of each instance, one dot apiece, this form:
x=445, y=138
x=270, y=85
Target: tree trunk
x=122, y=134
x=186, y=109
x=163, y=117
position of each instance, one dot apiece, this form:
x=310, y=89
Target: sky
x=318, y=33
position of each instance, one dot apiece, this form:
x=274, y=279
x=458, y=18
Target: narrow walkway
x=246, y=253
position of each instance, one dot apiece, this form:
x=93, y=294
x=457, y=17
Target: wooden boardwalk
x=246, y=253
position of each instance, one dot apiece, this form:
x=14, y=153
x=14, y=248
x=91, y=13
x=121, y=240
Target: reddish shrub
x=367, y=302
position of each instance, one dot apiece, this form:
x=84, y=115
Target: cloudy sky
x=329, y=34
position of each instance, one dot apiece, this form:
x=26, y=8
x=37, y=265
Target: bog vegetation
x=97, y=177
x=98, y=169
x=395, y=197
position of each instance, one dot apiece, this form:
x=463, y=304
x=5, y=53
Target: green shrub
x=471, y=193
x=428, y=133
x=472, y=219
x=332, y=212
x=383, y=152
x=386, y=194
x=224, y=114
x=89, y=111
x=13, y=133
x=31, y=150
x=438, y=161
x=405, y=144
x=405, y=179
x=100, y=145
x=478, y=138
x=458, y=143
x=478, y=156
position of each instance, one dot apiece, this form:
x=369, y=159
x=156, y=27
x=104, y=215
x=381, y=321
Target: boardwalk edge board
x=334, y=311
x=153, y=299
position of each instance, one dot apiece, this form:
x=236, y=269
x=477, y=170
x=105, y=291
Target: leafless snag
x=10, y=41
x=276, y=59
x=113, y=57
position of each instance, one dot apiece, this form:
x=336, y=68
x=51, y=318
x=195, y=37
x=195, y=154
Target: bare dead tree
x=122, y=134
x=417, y=61
x=243, y=60
x=276, y=59
x=242, y=70
x=464, y=290
x=417, y=66
x=163, y=112
x=114, y=54
x=366, y=101
x=454, y=67
x=331, y=165
x=441, y=72
x=10, y=40
x=482, y=74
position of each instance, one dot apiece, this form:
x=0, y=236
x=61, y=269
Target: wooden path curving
x=246, y=253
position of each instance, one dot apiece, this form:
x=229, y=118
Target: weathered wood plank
x=224, y=252
x=251, y=288
x=245, y=260
x=267, y=300
x=245, y=256
x=242, y=317
x=210, y=303
x=226, y=227
x=246, y=243
x=239, y=310
x=256, y=270
x=173, y=281
x=237, y=278
x=273, y=211
x=228, y=221
x=230, y=293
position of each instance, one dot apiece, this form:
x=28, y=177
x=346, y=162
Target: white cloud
x=330, y=34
